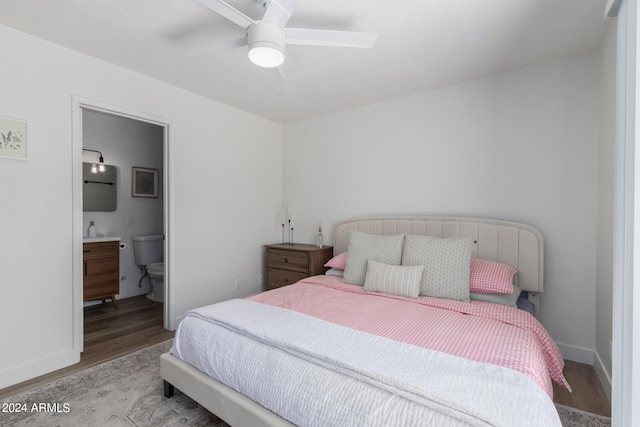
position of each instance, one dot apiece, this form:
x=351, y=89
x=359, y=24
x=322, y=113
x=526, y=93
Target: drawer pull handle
x=86, y=251
x=286, y=259
x=286, y=280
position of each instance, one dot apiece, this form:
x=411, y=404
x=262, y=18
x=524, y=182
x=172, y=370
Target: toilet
x=148, y=251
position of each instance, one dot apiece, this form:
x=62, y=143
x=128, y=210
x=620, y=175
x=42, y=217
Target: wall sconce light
x=99, y=167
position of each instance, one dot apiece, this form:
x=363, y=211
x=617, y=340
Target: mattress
x=323, y=353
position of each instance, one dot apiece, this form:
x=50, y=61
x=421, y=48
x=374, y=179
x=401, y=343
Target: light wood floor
x=108, y=334
x=111, y=333
x=588, y=394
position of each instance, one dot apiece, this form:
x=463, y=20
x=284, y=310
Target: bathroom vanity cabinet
x=101, y=271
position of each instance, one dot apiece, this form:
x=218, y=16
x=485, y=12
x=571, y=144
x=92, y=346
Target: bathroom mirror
x=100, y=189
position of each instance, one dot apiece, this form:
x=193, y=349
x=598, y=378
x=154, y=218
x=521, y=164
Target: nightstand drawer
x=277, y=278
x=288, y=260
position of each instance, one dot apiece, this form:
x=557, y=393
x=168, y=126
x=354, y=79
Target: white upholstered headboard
x=519, y=245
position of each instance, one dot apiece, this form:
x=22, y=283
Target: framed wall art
x=13, y=138
x=144, y=182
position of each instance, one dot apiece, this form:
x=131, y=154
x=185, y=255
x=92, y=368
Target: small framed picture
x=13, y=138
x=144, y=182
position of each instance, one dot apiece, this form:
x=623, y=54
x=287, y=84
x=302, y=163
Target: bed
x=324, y=352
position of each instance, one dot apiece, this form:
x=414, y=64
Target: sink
x=87, y=239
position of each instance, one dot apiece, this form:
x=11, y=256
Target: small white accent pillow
x=365, y=246
x=505, y=299
x=398, y=280
x=446, y=263
x=334, y=272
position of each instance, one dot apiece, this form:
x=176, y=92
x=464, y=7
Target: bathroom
x=125, y=143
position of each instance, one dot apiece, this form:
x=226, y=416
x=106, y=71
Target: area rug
x=129, y=392
x=123, y=392
x=571, y=417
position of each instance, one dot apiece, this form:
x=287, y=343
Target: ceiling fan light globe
x=266, y=54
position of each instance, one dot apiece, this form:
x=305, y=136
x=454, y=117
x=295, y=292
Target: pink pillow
x=489, y=277
x=339, y=262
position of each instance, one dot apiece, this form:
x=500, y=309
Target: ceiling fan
x=266, y=38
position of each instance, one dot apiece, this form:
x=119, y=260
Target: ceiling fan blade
x=310, y=37
x=288, y=69
x=212, y=49
x=279, y=11
x=229, y=12
x=237, y=42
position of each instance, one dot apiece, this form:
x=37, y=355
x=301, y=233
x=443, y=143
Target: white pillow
x=398, y=280
x=510, y=300
x=447, y=264
x=365, y=246
x=334, y=272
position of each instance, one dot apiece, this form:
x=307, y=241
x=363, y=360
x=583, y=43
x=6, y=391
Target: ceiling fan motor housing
x=266, y=38
x=266, y=44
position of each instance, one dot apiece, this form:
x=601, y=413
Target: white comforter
x=316, y=373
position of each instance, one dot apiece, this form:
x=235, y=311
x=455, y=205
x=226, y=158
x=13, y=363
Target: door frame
x=626, y=256
x=79, y=104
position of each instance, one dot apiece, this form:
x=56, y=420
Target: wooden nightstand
x=286, y=263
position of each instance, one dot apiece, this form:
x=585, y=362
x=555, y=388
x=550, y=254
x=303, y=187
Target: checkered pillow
x=339, y=262
x=489, y=277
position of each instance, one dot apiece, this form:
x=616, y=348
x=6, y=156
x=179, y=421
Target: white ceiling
x=419, y=45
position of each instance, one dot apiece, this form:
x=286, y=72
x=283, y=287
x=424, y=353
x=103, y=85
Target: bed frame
x=516, y=244
x=511, y=243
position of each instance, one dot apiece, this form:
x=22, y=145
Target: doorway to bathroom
x=135, y=146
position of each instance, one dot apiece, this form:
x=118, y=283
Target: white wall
x=521, y=146
x=604, y=266
x=225, y=183
x=125, y=143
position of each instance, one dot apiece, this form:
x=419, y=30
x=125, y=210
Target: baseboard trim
x=603, y=375
x=35, y=368
x=576, y=354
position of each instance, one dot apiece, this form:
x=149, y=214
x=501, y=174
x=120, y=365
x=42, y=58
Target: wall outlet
x=237, y=284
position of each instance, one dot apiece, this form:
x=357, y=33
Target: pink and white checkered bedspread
x=479, y=331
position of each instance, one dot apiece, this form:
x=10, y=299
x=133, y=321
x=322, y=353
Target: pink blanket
x=478, y=331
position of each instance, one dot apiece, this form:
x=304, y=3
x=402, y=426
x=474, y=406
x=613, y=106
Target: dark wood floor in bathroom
x=111, y=333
